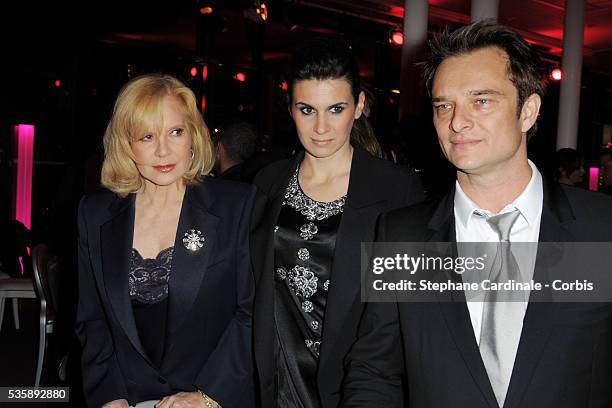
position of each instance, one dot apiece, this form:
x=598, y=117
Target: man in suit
x=486, y=93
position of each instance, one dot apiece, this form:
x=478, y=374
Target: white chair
x=15, y=289
x=43, y=262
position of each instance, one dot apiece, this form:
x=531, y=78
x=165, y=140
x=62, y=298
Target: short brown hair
x=138, y=102
x=523, y=60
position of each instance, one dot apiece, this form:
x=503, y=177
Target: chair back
x=16, y=239
x=44, y=264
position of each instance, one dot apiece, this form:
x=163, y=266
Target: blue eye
x=482, y=101
x=442, y=107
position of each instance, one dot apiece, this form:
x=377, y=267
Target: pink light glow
x=21, y=264
x=25, y=161
x=240, y=76
x=593, y=178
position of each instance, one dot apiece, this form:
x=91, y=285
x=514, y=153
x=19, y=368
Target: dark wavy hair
x=331, y=57
x=523, y=60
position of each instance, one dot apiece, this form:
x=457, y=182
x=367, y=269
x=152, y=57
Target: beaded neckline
x=311, y=209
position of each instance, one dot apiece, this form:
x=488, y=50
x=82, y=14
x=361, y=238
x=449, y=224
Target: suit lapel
x=116, y=238
x=539, y=317
x=263, y=316
x=267, y=210
x=363, y=203
x=189, y=267
x=452, y=304
x=345, y=281
x=457, y=319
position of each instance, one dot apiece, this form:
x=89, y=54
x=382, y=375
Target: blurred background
x=63, y=65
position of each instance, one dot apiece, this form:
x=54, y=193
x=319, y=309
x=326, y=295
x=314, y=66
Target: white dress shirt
x=471, y=227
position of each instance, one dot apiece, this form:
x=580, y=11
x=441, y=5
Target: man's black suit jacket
x=429, y=351
x=375, y=186
x=208, y=343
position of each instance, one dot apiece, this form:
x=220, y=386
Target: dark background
x=63, y=64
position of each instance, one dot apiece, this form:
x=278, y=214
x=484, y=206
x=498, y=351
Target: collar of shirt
x=529, y=202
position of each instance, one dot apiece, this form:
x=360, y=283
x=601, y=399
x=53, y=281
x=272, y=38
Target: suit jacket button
x=161, y=380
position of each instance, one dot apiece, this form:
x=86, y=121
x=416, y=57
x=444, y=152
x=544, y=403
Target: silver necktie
x=502, y=320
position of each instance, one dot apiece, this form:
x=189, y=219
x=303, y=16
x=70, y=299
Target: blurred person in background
x=234, y=145
x=605, y=162
x=569, y=167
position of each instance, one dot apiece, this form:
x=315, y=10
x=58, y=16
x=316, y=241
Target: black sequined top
x=148, y=284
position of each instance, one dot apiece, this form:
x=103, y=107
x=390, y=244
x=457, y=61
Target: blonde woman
x=165, y=286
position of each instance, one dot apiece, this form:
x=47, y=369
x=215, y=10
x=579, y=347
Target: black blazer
x=209, y=338
x=564, y=358
x=375, y=185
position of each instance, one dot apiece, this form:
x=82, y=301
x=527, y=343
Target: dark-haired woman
x=320, y=205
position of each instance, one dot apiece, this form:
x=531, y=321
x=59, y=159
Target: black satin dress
x=304, y=242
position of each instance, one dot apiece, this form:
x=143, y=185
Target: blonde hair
x=139, y=102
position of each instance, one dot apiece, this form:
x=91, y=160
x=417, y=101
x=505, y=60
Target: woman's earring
x=192, y=154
